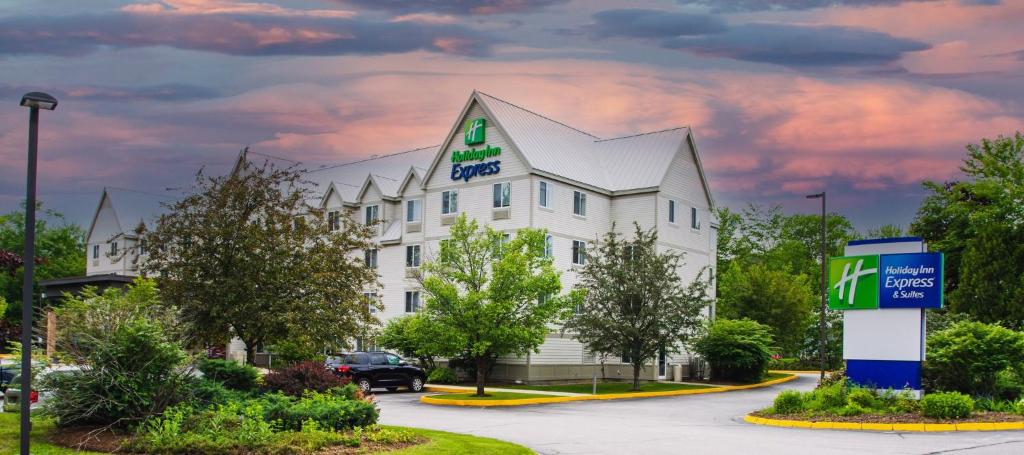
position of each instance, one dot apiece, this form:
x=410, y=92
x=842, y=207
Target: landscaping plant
x=738, y=350
x=947, y=405
x=971, y=357
x=233, y=375
x=442, y=375
x=300, y=377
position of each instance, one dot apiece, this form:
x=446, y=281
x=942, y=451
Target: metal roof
x=389, y=171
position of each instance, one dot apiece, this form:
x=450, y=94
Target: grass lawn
x=445, y=443
x=440, y=442
x=490, y=396
x=609, y=387
x=10, y=426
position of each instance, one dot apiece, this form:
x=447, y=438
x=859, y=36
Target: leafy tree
x=776, y=298
x=968, y=356
x=236, y=258
x=415, y=336
x=977, y=224
x=885, y=231
x=60, y=253
x=636, y=303
x=492, y=296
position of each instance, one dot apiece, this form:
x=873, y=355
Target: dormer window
x=95, y=251
x=333, y=220
x=113, y=248
x=414, y=211
x=372, y=214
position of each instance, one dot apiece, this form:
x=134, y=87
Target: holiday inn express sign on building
x=879, y=281
x=474, y=133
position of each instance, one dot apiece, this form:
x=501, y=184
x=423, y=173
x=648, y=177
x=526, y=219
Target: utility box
x=677, y=373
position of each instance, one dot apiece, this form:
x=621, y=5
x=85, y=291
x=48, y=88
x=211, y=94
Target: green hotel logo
x=474, y=131
x=853, y=283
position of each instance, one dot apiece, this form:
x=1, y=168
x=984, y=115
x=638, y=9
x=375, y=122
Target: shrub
x=788, y=402
x=295, y=349
x=793, y=364
x=827, y=399
x=442, y=375
x=947, y=405
x=329, y=410
x=905, y=403
x=864, y=398
x=738, y=350
x=206, y=392
x=833, y=378
x=233, y=375
x=851, y=409
x=296, y=379
x=134, y=373
x=969, y=356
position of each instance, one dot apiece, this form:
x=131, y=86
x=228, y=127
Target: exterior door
x=662, y=363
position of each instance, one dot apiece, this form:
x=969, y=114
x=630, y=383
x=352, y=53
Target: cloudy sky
x=864, y=98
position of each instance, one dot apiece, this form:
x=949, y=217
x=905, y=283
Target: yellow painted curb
x=799, y=371
x=427, y=399
x=901, y=427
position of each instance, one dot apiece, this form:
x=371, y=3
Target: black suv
x=381, y=369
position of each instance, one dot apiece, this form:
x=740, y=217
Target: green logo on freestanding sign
x=853, y=283
x=474, y=131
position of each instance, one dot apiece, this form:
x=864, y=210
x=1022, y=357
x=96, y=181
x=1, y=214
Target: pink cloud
x=227, y=7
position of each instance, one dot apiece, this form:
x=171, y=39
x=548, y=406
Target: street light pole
x=824, y=279
x=34, y=101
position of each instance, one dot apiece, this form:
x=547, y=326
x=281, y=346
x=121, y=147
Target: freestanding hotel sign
x=885, y=284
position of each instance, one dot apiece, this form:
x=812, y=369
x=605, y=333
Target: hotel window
x=141, y=248
x=372, y=214
x=370, y=257
x=579, y=252
x=95, y=251
x=414, y=211
x=412, y=301
x=412, y=256
x=371, y=300
x=333, y=220
x=694, y=218
x=579, y=203
x=672, y=211
x=449, y=202
x=502, y=194
x=544, y=195
x=548, y=246
x=113, y=248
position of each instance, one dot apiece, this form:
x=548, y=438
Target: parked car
x=12, y=396
x=8, y=372
x=375, y=369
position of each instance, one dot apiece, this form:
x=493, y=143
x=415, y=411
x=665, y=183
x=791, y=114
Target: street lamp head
x=816, y=195
x=39, y=100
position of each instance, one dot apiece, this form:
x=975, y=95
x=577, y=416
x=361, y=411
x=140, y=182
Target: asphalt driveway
x=694, y=424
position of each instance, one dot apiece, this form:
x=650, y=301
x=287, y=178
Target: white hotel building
x=546, y=175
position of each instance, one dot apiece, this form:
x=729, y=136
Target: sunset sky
x=864, y=98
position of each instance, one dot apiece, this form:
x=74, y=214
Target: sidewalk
x=466, y=389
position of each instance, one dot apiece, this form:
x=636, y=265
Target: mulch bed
x=96, y=439
x=371, y=447
x=977, y=417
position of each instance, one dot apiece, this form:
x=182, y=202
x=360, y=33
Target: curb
x=799, y=371
x=897, y=427
x=427, y=399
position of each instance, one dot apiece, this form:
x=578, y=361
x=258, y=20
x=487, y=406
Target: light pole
x=824, y=296
x=34, y=101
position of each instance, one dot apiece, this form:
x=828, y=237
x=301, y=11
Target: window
x=333, y=220
x=113, y=248
x=502, y=194
x=372, y=214
x=95, y=251
x=378, y=359
x=449, y=202
x=412, y=301
x=579, y=252
x=414, y=211
x=412, y=256
x=394, y=359
x=357, y=359
x=371, y=300
x=672, y=211
x=549, y=250
x=694, y=218
x=371, y=258
x=579, y=203
x=544, y=195
x=141, y=248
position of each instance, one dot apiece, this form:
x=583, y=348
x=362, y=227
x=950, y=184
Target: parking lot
x=695, y=424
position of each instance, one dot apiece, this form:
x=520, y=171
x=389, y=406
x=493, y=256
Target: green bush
x=968, y=357
x=828, y=398
x=295, y=349
x=132, y=374
x=300, y=377
x=738, y=350
x=333, y=410
x=788, y=402
x=947, y=405
x=207, y=392
x=442, y=375
x=863, y=398
x=233, y=375
x=905, y=403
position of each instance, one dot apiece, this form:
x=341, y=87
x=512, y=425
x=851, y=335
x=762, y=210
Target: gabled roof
x=131, y=207
x=414, y=172
x=387, y=186
x=552, y=148
x=391, y=167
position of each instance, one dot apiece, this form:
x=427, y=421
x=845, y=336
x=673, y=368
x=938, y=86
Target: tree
x=244, y=255
x=738, y=350
x=636, y=302
x=776, y=298
x=60, y=253
x=492, y=295
x=885, y=231
x=976, y=223
x=415, y=336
